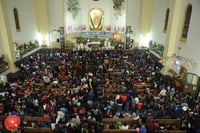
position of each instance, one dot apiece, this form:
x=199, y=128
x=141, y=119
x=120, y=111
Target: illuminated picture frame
x=95, y=20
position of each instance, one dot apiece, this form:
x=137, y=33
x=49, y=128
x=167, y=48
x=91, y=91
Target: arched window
x=16, y=17
x=186, y=23
x=166, y=20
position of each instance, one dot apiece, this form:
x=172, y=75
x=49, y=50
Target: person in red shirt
x=151, y=127
x=139, y=105
x=124, y=98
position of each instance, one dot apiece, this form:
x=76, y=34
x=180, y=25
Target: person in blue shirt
x=143, y=129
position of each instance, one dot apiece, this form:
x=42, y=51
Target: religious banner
x=96, y=34
x=62, y=36
x=96, y=20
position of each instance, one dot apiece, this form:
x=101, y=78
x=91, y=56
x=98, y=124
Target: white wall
x=27, y=18
x=133, y=17
x=55, y=10
x=1, y=46
x=158, y=18
x=86, y=5
x=191, y=48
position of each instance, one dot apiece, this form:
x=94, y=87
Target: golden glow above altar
x=96, y=20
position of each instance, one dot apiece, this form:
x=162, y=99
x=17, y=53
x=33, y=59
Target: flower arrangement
x=90, y=45
x=69, y=44
x=96, y=39
x=101, y=45
x=157, y=48
x=81, y=40
x=118, y=6
x=26, y=47
x=117, y=43
x=85, y=40
x=73, y=7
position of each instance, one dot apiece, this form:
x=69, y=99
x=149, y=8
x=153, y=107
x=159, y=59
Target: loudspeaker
x=58, y=40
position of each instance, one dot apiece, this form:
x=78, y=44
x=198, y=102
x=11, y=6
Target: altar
x=93, y=43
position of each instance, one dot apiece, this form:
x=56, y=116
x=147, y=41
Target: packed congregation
x=96, y=91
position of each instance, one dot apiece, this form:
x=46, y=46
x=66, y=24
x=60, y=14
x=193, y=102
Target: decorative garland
x=118, y=6
x=25, y=48
x=69, y=44
x=73, y=7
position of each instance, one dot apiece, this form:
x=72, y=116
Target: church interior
x=99, y=66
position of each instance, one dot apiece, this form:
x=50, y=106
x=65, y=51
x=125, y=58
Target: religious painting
x=96, y=20
x=16, y=17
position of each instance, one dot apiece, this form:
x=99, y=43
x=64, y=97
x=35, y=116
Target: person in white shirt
x=163, y=92
x=125, y=126
x=136, y=100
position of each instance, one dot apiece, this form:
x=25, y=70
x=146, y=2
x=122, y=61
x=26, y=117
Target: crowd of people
x=81, y=100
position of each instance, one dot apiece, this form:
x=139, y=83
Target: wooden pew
x=58, y=89
x=159, y=121
x=2, y=118
x=168, y=121
x=134, y=131
x=38, y=130
x=173, y=131
x=141, y=86
x=122, y=90
x=119, y=131
x=39, y=84
x=1, y=106
x=123, y=120
x=38, y=119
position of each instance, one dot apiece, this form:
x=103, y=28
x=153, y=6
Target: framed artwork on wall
x=96, y=20
x=16, y=18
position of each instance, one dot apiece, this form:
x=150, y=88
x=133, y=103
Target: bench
x=2, y=118
x=159, y=121
x=38, y=119
x=123, y=90
x=168, y=121
x=39, y=84
x=38, y=130
x=139, y=86
x=123, y=120
x=173, y=131
x=134, y=131
x=119, y=131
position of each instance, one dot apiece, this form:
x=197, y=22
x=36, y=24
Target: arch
x=16, y=17
x=166, y=20
x=186, y=23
